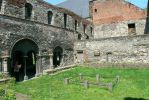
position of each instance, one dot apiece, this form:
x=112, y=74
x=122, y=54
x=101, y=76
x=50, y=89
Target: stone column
x=25, y=76
x=37, y=71
x=0, y=64
x=75, y=57
x=62, y=61
x=5, y=64
x=38, y=65
x=51, y=58
x=51, y=61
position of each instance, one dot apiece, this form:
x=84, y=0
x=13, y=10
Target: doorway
x=23, y=59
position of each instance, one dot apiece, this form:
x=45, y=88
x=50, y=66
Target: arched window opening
x=0, y=4
x=50, y=14
x=28, y=11
x=79, y=36
x=57, y=56
x=65, y=20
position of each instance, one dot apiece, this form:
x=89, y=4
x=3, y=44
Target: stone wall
x=16, y=8
x=119, y=29
x=47, y=38
x=128, y=49
x=14, y=27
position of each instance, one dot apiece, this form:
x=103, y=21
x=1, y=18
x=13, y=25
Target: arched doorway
x=23, y=57
x=57, y=56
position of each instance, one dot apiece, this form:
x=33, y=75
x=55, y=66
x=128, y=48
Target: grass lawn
x=133, y=83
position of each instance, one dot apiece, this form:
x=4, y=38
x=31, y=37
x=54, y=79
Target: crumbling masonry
x=36, y=36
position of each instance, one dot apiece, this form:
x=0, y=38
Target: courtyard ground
x=134, y=83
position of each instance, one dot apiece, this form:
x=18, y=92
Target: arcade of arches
x=25, y=63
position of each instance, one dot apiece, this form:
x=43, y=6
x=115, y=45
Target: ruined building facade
x=119, y=34
x=113, y=18
x=36, y=36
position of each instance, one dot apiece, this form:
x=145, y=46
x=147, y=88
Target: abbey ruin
x=37, y=36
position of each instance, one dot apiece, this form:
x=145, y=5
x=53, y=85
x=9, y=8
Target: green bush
x=7, y=94
x=10, y=95
x=4, y=75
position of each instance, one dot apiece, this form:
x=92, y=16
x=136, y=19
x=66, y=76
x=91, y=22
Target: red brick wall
x=109, y=11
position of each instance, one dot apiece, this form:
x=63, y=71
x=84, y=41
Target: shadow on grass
x=130, y=98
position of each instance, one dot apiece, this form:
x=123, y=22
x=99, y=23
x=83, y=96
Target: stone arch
x=20, y=39
x=23, y=59
x=57, y=56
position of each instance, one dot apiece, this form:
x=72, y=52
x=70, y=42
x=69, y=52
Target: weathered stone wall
x=12, y=30
x=119, y=29
x=16, y=8
x=128, y=49
x=15, y=27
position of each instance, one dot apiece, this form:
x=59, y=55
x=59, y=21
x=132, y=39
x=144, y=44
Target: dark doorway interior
x=23, y=59
x=57, y=57
x=31, y=64
x=18, y=66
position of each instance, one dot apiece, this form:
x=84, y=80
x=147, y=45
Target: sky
x=140, y=3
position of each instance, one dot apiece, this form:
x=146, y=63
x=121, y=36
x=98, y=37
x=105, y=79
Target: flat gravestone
x=20, y=96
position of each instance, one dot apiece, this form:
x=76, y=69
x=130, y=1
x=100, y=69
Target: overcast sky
x=140, y=3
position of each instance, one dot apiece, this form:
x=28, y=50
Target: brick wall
x=109, y=11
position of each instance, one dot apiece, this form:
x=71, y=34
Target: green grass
x=133, y=83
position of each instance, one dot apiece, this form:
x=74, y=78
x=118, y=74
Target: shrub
x=10, y=95
x=7, y=94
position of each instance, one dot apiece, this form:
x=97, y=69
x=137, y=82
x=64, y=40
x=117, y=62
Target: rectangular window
x=84, y=27
x=132, y=29
x=91, y=31
x=80, y=51
x=0, y=4
x=76, y=25
x=28, y=10
x=65, y=20
x=96, y=53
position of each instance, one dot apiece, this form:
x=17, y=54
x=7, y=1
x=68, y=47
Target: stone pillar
x=75, y=57
x=38, y=65
x=5, y=64
x=51, y=61
x=62, y=61
x=51, y=58
x=25, y=76
x=37, y=71
x=0, y=64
